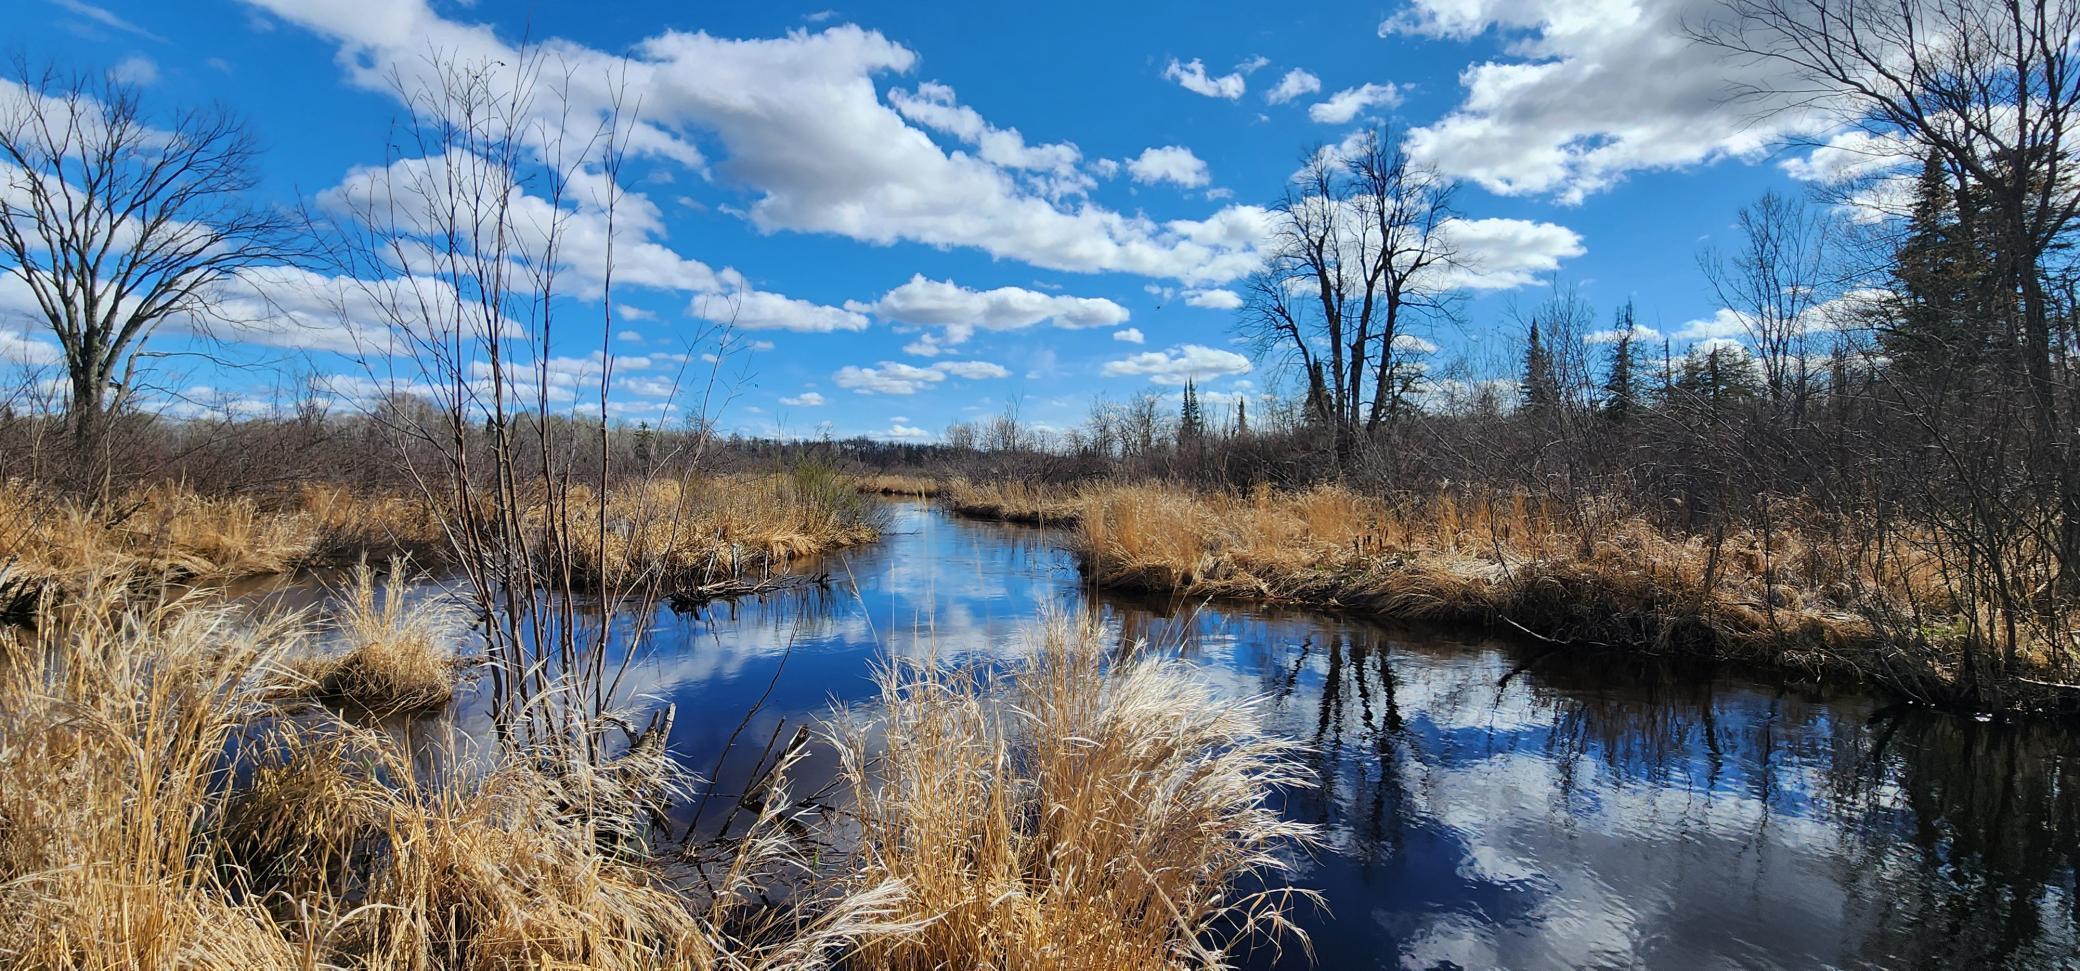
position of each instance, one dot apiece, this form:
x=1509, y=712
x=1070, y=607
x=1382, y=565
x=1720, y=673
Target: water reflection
x=1487, y=804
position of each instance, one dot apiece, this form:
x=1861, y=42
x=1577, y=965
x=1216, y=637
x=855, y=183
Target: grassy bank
x=1075, y=813
x=1035, y=504
x=670, y=530
x=1576, y=574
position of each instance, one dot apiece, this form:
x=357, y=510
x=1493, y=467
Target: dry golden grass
x=684, y=533
x=1584, y=572
x=900, y=485
x=168, y=532
x=391, y=659
x=121, y=847
x=112, y=736
x=1077, y=815
x=1015, y=501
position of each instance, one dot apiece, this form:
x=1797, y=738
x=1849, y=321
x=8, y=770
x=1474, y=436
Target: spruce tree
x=1540, y=386
x=1619, y=394
x=1191, y=423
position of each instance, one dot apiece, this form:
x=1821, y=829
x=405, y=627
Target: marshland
x=413, y=554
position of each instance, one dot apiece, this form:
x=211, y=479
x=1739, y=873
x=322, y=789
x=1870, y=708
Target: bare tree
x=1772, y=283
x=1992, y=91
x=1357, y=252
x=117, y=225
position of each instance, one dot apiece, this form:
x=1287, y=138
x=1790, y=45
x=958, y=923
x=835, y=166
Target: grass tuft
x=1077, y=813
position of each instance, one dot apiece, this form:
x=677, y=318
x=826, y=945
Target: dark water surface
x=1489, y=804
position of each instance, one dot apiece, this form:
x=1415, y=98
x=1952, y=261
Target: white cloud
x=1640, y=333
x=898, y=430
x=800, y=125
x=1411, y=344
x=136, y=69
x=934, y=106
x=1129, y=335
x=1171, y=163
x=1722, y=324
x=1214, y=299
x=1195, y=362
x=973, y=370
x=634, y=313
x=897, y=378
x=106, y=18
x=961, y=311
x=1497, y=254
x=1192, y=77
x=1345, y=105
x=1586, y=93
x=1297, y=82
x=758, y=310
x=807, y=399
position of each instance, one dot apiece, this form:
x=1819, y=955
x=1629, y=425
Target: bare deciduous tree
x=117, y=226
x=1357, y=252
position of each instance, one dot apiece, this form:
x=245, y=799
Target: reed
x=1015, y=501
x=888, y=484
x=1579, y=572
x=392, y=658
x=1077, y=813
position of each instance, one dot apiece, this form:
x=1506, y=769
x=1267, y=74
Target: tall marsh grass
x=1574, y=572
x=160, y=807
x=1081, y=812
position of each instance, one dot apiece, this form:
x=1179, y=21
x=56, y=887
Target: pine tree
x=1191, y=422
x=1540, y=387
x=1946, y=280
x=1619, y=395
x=1241, y=416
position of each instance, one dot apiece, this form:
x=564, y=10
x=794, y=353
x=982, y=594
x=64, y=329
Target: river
x=1487, y=803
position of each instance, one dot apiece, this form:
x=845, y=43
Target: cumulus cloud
x=1214, y=299
x=1345, y=105
x=807, y=399
x=1128, y=335
x=1194, y=362
x=1498, y=254
x=759, y=310
x=799, y=123
x=897, y=378
x=961, y=311
x=1171, y=163
x=898, y=430
x=1297, y=82
x=1584, y=94
x=1192, y=76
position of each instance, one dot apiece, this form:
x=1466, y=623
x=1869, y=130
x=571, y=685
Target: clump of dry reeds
x=1015, y=501
x=889, y=484
x=122, y=845
x=683, y=533
x=392, y=658
x=113, y=731
x=1081, y=813
x=1583, y=572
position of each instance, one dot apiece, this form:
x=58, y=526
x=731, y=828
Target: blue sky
x=934, y=209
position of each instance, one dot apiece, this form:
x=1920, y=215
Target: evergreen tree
x=1540, y=386
x=1946, y=281
x=1716, y=378
x=1241, y=416
x=1191, y=422
x=1619, y=395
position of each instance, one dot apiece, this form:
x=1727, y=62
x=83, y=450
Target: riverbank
x=672, y=531
x=1585, y=576
x=121, y=846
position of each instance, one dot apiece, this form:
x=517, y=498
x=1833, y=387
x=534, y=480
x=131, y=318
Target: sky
x=911, y=214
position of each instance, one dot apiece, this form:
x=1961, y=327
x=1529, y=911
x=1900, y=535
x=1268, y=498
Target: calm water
x=1486, y=803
